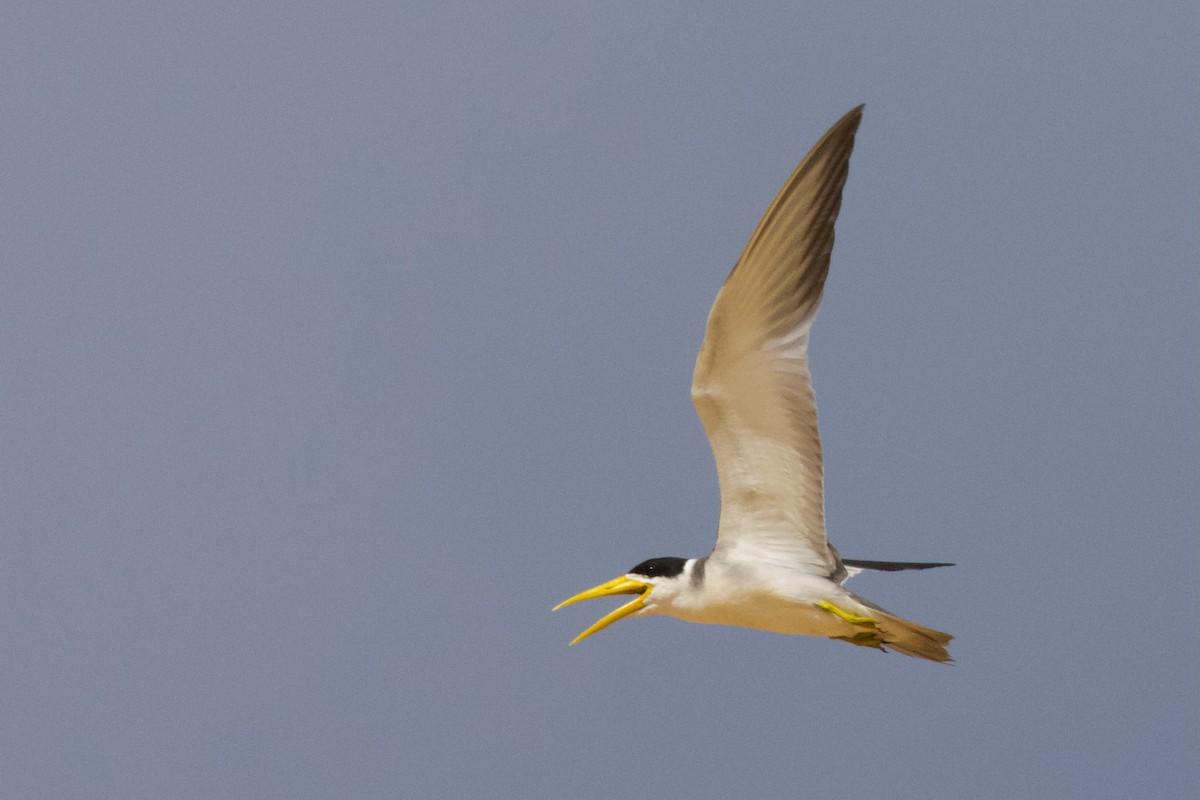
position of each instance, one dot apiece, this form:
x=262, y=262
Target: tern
x=773, y=567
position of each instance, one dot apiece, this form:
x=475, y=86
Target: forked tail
x=897, y=633
x=885, y=631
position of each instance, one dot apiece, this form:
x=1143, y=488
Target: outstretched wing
x=751, y=386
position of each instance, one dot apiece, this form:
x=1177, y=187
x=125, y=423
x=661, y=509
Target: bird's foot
x=863, y=639
x=853, y=619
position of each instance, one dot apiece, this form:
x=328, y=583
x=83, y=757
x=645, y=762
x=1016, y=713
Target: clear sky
x=340, y=341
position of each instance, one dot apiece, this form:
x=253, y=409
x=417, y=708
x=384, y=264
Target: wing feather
x=751, y=385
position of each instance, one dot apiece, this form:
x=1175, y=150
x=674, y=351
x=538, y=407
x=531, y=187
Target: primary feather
x=751, y=385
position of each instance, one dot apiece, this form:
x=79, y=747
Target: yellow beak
x=621, y=585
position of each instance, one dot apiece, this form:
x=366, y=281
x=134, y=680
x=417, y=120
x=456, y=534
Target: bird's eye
x=667, y=567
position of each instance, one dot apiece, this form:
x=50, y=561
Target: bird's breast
x=765, y=612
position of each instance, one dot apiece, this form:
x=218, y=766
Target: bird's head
x=654, y=582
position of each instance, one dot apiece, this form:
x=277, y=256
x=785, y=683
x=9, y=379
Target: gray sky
x=341, y=341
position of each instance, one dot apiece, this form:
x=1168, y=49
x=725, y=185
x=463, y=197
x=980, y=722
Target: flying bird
x=772, y=567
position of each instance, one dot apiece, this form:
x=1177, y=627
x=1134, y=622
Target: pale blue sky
x=343, y=340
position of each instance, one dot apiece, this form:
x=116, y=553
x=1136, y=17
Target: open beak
x=621, y=585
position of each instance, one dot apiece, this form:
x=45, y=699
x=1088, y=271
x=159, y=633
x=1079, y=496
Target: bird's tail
x=883, y=630
x=897, y=633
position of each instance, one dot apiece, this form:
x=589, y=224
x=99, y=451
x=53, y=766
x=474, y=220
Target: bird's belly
x=770, y=613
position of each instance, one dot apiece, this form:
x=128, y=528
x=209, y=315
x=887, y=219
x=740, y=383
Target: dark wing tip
x=848, y=124
x=894, y=566
x=800, y=220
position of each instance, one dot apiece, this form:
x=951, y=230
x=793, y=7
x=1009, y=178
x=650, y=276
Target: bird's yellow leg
x=863, y=639
x=853, y=619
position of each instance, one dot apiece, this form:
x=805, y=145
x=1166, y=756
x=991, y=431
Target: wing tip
x=893, y=566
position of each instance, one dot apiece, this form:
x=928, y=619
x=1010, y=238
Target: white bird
x=773, y=567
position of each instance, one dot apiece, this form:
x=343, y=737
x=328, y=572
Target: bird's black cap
x=666, y=567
